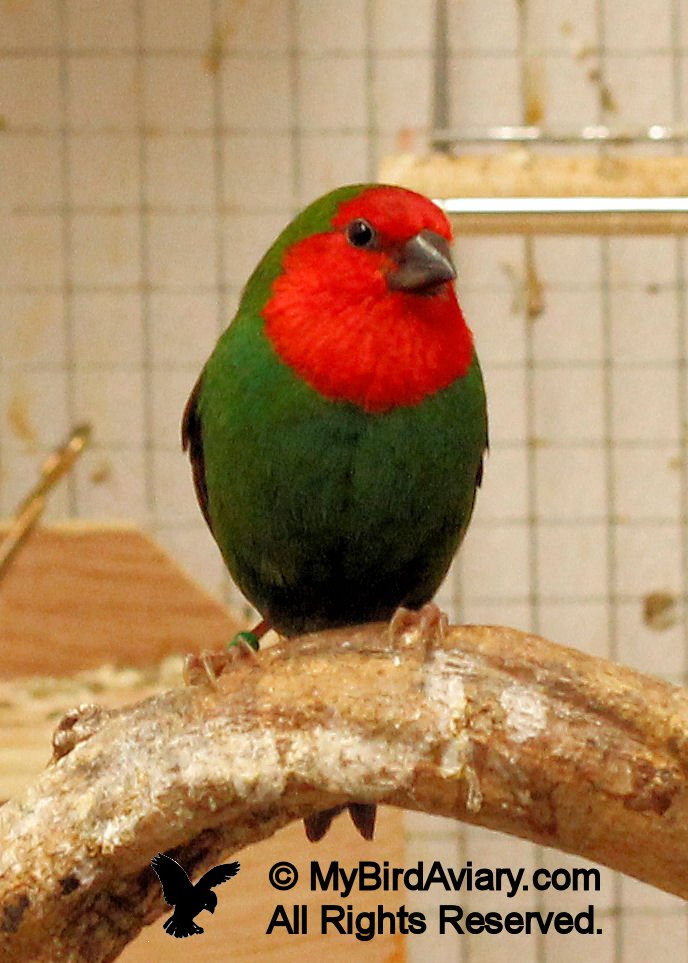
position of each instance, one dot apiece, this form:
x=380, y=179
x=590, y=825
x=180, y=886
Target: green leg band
x=250, y=638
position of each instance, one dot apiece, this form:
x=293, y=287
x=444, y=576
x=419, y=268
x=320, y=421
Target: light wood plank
x=80, y=595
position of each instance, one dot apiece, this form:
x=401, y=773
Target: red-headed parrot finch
x=338, y=429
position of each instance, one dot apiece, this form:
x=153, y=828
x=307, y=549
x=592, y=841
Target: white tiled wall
x=150, y=150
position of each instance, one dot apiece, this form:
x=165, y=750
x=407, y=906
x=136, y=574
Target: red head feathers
x=365, y=312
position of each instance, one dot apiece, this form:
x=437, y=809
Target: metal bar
x=440, y=77
x=525, y=134
x=563, y=205
x=568, y=215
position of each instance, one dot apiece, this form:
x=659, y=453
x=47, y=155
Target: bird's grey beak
x=424, y=264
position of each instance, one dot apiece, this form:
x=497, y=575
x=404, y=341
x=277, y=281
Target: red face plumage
x=334, y=320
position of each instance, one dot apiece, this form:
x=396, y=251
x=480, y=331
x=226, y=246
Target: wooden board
x=521, y=172
x=237, y=930
x=524, y=173
x=79, y=595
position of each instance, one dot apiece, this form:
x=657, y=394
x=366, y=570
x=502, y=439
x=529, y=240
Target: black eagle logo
x=188, y=900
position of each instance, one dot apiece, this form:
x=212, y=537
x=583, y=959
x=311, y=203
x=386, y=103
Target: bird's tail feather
x=181, y=928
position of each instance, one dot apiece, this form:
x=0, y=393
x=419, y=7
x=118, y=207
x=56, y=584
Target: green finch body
x=337, y=431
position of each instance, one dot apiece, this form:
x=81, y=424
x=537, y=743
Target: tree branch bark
x=487, y=725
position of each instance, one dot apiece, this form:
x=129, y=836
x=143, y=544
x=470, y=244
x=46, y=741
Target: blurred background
x=150, y=150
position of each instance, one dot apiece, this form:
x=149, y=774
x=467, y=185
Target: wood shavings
x=46, y=697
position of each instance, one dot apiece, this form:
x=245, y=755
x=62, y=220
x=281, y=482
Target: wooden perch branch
x=488, y=725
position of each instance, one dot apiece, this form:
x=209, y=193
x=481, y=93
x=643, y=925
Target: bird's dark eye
x=360, y=233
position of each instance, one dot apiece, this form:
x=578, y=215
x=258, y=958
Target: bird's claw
x=362, y=816
x=206, y=668
x=420, y=629
x=243, y=648
x=201, y=669
x=76, y=726
x=318, y=824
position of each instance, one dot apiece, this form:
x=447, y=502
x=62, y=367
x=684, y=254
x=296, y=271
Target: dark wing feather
x=192, y=441
x=481, y=466
x=218, y=874
x=481, y=469
x=176, y=885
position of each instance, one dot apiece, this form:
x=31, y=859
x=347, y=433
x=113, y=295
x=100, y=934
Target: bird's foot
x=76, y=726
x=362, y=816
x=419, y=629
x=318, y=824
x=206, y=668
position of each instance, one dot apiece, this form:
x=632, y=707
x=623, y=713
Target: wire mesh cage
x=151, y=152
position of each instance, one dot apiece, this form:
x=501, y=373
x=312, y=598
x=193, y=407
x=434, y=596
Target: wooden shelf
x=80, y=594
x=520, y=192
